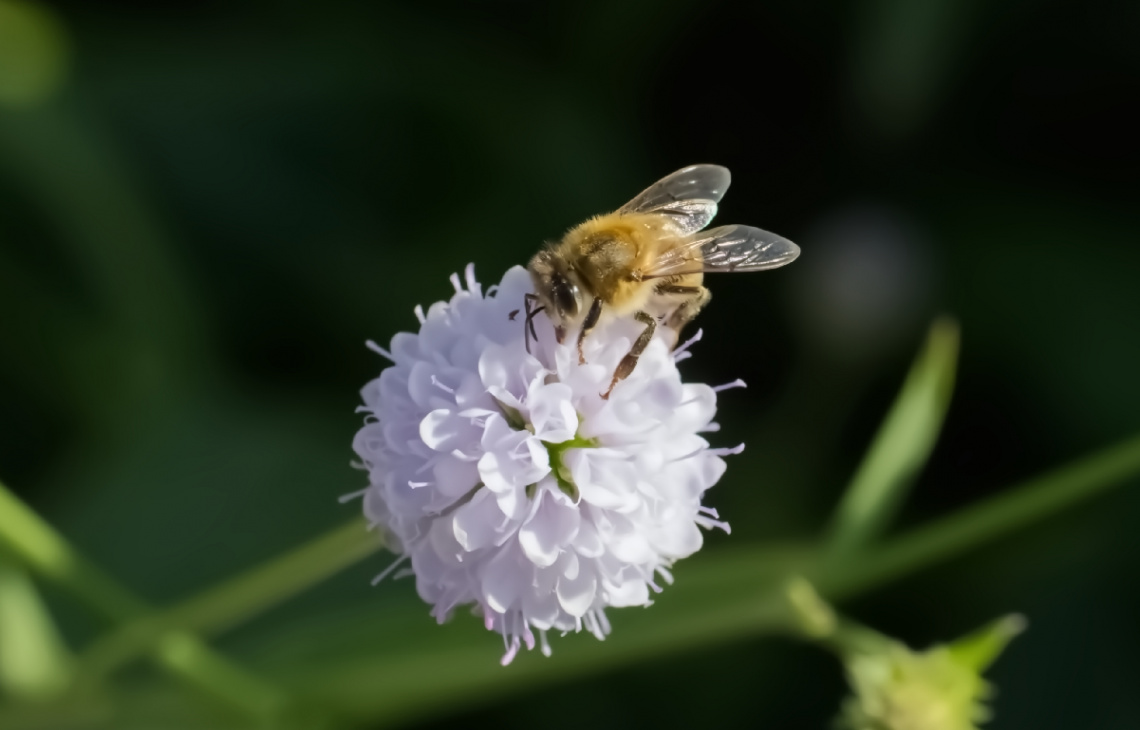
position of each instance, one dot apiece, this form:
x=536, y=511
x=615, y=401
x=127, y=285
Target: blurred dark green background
x=222, y=201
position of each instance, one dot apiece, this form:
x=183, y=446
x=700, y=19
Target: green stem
x=990, y=519
x=730, y=595
x=238, y=599
x=901, y=447
x=44, y=551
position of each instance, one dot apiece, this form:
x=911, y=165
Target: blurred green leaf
x=34, y=662
x=903, y=56
x=33, y=53
x=901, y=447
x=240, y=598
x=140, y=336
x=40, y=547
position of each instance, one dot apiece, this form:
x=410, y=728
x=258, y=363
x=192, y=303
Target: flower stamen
x=388, y=571
x=379, y=350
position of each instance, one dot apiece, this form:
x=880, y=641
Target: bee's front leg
x=588, y=324
x=529, y=303
x=629, y=362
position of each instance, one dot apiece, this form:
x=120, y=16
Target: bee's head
x=556, y=285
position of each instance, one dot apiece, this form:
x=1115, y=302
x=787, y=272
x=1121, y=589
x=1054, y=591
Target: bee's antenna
x=528, y=324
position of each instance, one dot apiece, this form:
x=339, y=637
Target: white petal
x=625, y=541
x=682, y=539
x=542, y=610
x=479, y=523
x=551, y=412
x=552, y=525
x=405, y=347
x=496, y=431
x=603, y=483
x=630, y=593
x=503, y=581
x=512, y=503
x=421, y=388
x=442, y=430
x=514, y=463
x=444, y=544
x=576, y=595
x=569, y=565
x=587, y=542
x=454, y=477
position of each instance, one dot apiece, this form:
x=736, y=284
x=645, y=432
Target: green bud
x=896, y=688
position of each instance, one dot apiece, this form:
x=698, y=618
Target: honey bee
x=647, y=259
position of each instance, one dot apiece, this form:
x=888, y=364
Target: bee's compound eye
x=565, y=295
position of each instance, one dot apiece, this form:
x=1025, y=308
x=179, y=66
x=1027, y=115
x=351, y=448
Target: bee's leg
x=629, y=362
x=696, y=297
x=529, y=300
x=588, y=324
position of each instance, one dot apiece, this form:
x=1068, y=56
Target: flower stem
x=901, y=446
x=990, y=519
x=33, y=541
x=238, y=599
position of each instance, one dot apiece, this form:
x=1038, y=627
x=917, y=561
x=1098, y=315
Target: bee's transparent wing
x=727, y=248
x=688, y=196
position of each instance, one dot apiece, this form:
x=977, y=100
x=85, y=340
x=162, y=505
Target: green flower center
x=555, y=451
x=558, y=467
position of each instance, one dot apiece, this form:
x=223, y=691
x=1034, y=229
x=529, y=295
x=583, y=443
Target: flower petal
x=551, y=526
x=503, y=580
x=576, y=595
x=480, y=522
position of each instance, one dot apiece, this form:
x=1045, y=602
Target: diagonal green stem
x=901, y=447
x=33, y=541
x=240, y=598
x=990, y=519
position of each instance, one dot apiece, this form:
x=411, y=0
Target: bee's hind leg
x=696, y=297
x=629, y=362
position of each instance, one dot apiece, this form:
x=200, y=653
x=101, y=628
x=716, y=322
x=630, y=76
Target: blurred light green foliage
x=34, y=663
x=203, y=223
x=33, y=53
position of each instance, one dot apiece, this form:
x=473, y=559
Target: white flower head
x=511, y=484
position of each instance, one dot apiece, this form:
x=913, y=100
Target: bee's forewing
x=725, y=249
x=744, y=248
x=687, y=216
x=695, y=182
x=688, y=196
